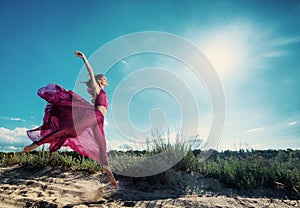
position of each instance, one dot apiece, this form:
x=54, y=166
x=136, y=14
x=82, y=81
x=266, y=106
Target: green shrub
x=237, y=169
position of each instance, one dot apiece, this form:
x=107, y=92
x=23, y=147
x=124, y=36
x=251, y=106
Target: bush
x=237, y=169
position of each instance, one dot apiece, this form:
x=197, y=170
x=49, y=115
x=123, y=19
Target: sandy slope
x=55, y=188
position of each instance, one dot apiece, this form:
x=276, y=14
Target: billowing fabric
x=71, y=121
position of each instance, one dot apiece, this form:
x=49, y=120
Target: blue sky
x=254, y=47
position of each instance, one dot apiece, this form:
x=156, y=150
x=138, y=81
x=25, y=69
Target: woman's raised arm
x=95, y=86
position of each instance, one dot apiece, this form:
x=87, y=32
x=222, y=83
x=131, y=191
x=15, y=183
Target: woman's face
x=103, y=81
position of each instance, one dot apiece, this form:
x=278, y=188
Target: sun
x=225, y=54
x=226, y=50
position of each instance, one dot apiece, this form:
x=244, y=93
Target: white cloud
x=124, y=62
x=11, y=118
x=14, y=135
x=292, y=123
x=121, y=145
x=254, y=130
x=13, y=148
x=286, y=41
x=240, y=144
x=274, y=54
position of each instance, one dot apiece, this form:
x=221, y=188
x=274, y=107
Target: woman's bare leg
x=68, y=132
x=110, y=176
x=30, y=147
x=101, y=141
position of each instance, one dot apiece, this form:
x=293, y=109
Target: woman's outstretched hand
x=80, y=54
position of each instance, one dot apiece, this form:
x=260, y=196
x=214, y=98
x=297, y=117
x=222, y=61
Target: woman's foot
x=110, y=177
x=30, y=147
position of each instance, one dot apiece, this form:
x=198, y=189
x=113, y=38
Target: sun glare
x=224, y=53
x=226, y=49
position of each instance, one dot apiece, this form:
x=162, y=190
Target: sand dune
x=56, y=188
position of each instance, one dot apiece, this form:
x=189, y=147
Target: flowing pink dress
x=69, y=120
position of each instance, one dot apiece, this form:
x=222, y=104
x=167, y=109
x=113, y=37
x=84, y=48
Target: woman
x=71, y=121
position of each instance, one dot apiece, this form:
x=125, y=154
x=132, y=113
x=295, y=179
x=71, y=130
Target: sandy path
x=51, y=188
